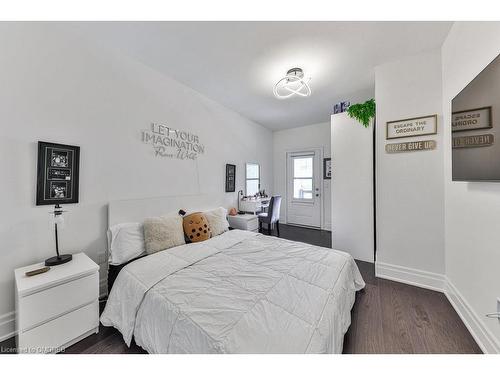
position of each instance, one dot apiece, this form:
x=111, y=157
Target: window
x=303, y=177
x=252, y=179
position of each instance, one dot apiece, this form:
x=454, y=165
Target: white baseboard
x=7, y=325
x=325, y=226
x=433, y=281
x=411, y=276
x=486, y=341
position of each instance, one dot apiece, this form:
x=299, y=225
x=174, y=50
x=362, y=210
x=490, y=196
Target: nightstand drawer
x=57, y=333
x=44, y=305
x=253, y=225
x=244, y=222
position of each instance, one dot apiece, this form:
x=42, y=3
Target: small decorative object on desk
x=261, y=194
x=58, y=221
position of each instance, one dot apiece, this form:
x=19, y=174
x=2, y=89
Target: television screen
x=475, y=128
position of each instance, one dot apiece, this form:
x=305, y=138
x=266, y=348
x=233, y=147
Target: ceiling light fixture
x=293, y=83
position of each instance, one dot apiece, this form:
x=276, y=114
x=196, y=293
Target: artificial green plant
x=363, y=112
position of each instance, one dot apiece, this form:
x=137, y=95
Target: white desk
x=254, y=205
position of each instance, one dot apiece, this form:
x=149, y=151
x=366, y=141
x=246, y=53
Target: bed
x=239, y=292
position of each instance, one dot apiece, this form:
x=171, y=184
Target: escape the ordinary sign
x=412, y=127
x=173, y=143
x=393, y=148
x=471, y=119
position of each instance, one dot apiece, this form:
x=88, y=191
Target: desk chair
x=272, y=216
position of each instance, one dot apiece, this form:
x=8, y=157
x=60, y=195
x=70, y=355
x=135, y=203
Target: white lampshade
x=59, y=220
x=58, y=217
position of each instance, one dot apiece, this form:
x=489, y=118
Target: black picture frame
x=230, y=178
x=58, y=174
x=327, y=174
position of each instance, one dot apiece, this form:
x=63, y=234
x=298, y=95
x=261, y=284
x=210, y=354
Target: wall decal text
x=173, y=143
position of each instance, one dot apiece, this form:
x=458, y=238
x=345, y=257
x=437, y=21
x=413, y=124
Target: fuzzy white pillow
x=217, y=219
x=164, y=232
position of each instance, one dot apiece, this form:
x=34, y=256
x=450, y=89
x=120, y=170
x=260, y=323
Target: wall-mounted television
x=475, y=128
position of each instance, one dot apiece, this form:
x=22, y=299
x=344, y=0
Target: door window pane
x=302, y=188
x=303, y=166
x=303, y=177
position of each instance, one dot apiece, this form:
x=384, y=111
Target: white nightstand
x=245, y=222
x=57, y=308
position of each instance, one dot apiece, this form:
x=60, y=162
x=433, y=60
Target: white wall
x=479, y=163
x=443, y=233
x=53, y=87
x=310, y=136
x=352, y=187
x=472, y=209
x=410, y=192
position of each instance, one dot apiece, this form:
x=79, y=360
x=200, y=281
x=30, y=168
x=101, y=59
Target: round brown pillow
x=196, y=227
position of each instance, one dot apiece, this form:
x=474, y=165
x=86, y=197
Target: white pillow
x=164, y=232
x=126, y=242
x=217, y=219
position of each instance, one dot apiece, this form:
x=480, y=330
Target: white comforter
x=239, y=292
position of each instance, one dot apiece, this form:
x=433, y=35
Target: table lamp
x=58, y=220
x=239, y=211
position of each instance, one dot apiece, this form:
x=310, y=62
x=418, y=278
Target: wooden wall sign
x=471, y=119
x=412, y=127
x=480, y=140
x=393, y=148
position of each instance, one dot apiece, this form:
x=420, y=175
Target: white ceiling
x=237, y=63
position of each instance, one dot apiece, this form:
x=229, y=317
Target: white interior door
x=304, y=188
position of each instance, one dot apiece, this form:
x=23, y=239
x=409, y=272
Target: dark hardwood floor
x=394, y=318
x=390, y=317
x=387, y=317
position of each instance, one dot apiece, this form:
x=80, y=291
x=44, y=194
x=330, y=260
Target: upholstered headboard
x=136, y=210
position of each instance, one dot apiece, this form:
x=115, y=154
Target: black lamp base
x=54, y=261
